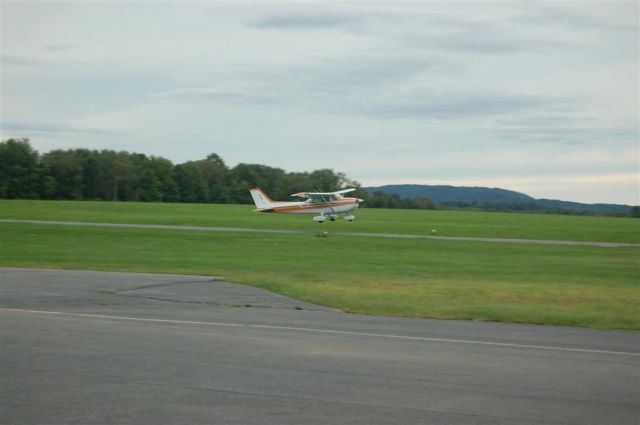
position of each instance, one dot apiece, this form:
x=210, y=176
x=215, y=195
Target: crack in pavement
x=158, y=285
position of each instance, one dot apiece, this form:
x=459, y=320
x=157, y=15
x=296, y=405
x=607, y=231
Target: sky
x=533, y=96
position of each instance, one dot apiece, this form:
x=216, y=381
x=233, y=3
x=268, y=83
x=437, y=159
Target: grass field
x=446, y=223
x=583, y=286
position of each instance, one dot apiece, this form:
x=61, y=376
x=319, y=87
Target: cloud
x=301, y=22
x=589, y=17
x=26, y=129
x=453, y=106
x=494, y=42
x=58, y=47
x=220, y=96
x=21, y=60
x=563, y=129
x=337, y=85
x=402, y=90
x=391, y=104
x=304, y=20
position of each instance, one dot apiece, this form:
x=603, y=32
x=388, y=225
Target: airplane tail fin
x=261, y=199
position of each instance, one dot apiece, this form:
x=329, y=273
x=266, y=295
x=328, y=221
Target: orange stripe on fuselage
x=303, y=207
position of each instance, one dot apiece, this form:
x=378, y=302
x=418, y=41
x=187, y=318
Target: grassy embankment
x=584, y=286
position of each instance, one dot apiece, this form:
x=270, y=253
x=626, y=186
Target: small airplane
x=329, y=203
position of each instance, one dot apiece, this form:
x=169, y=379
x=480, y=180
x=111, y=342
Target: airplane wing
x=301, y=194
x=319, y=194
x=340, y=192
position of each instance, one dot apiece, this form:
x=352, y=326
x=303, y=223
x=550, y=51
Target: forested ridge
x=496, y=199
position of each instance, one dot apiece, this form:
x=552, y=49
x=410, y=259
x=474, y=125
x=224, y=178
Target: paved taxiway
x=119, y=348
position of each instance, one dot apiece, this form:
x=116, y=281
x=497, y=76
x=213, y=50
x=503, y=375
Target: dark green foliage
x=381, y=199
x=65, y=172
x=82, y=174
x=213, y=170
x=20, y=176
x=243, y=177
x=191, y=184
x=576, y=207
x=163, y=171
x=326, y=180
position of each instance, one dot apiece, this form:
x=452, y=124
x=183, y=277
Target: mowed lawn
x=442, y=223
x=563, y=285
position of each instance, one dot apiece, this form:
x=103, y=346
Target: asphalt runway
x=122, y=348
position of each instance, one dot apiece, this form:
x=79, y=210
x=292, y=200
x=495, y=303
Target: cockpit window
x=322, y=198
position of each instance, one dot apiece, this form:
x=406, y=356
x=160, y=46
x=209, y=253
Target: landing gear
x=332, y=217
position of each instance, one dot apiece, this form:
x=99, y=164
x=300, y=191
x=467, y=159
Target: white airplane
x=329, y=203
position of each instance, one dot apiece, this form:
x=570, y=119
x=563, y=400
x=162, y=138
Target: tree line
x=107, y=175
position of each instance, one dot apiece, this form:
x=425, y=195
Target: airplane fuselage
x=331, y=204
x=338, y=206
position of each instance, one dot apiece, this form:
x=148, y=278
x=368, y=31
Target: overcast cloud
x=539, y=97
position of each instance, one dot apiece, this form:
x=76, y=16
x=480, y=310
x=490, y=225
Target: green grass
x=445, y=223
x=561, y=285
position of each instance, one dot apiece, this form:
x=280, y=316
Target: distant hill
x=444, y=194
x=588, y=208
x=495, y=199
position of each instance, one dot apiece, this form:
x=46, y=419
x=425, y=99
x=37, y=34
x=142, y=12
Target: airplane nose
x=360, y=201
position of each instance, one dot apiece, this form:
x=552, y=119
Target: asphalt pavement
x=99, y=348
